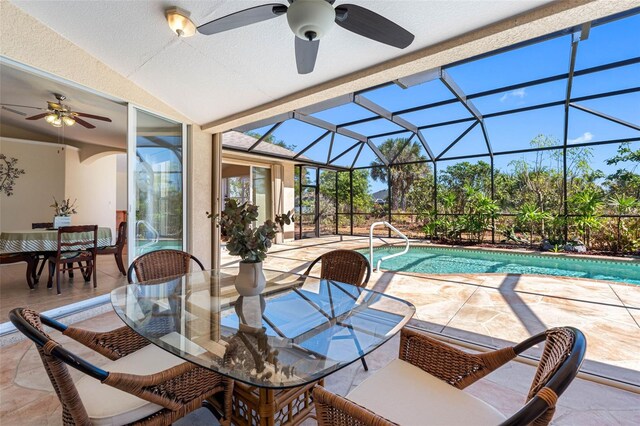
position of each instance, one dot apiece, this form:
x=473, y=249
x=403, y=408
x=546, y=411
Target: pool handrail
x=394, y=229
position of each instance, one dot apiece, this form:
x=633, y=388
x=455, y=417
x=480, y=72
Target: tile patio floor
x=492, y=310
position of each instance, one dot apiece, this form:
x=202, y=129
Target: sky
x=607, y=43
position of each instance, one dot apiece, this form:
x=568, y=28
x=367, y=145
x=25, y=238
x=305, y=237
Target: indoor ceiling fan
x=58, y=114
x=310, y=20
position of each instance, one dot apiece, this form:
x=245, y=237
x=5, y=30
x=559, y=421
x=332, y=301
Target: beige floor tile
x=629, y=294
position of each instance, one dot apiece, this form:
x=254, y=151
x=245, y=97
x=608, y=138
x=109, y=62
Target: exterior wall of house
x=40, y=47
x=282, y=180
x=33, y=192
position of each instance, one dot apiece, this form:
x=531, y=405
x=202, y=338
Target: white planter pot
x=250, y=280
x=59, y=221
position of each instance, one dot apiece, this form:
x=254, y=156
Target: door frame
x=131, y=181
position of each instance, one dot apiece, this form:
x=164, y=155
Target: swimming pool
x=437, y=260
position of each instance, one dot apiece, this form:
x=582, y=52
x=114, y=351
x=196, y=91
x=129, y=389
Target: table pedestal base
x=270, y=407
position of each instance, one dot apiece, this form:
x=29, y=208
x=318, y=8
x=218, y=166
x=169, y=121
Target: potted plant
x=63, y=211
x=249, y=241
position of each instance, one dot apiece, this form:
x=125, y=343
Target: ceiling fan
x=58, y=114
x=310, y=20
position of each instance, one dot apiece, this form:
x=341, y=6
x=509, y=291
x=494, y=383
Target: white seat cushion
x=106, y=405
x=407, y=395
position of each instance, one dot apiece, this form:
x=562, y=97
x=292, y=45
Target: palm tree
x=530, y=215
x=404, y=175
x=587, y=203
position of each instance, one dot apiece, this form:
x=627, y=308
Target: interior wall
x=44, y=166
x=121, y=182
x=93, y=184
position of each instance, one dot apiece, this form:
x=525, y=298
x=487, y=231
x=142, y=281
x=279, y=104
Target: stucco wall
x=33, y=193
x=121, y=182
x=93, y=184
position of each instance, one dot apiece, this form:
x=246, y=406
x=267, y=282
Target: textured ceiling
x=210, y=77
x=20, y=87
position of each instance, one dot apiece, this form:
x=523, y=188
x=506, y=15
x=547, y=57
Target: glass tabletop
x=296, y=332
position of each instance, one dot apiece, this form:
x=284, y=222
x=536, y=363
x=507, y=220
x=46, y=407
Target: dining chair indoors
x=141, y=384
x=160, y=264
x=76, y=244
x=28, y=258
x=349, y=267
x=41, y=256
x=116, y=250
x=425, y=384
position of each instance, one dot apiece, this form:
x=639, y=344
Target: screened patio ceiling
x=586, y=76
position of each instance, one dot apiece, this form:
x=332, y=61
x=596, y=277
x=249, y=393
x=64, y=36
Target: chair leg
x=58, y=278
x=364, y=364
x=44, y=262
x=120, y=263
x=94, y=271
x=50, y=279
x=69, y=268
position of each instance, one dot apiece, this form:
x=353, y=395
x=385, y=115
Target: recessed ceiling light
x=179, y=22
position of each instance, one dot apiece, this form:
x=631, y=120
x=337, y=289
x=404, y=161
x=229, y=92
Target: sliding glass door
x=156, y=182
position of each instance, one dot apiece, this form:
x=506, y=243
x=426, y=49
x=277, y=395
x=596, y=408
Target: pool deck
x=499, y=309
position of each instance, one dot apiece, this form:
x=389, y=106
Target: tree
x=530, y=215
x=402, y=176
x=624, y=181
x=621, y=204
x=458, y=178
x=587, y=204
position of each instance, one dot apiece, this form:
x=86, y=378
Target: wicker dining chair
x=345, y=266
x=141, y=385
x=117, y=248
x=161, y=264
x=563, y=353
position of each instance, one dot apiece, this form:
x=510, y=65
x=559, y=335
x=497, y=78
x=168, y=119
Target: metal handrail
x=156, y=234
x=393, y=228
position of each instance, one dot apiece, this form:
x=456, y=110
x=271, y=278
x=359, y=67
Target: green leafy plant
x=529, y=216
x=557, y=248
x=249, y=242
x=64, y=207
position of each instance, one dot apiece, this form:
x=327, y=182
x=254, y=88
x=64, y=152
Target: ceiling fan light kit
x=310, y=20
x=179, y=22
x=58, y=114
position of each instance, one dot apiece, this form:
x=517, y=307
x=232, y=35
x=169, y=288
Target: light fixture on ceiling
x=179, y=22
x=310, y=19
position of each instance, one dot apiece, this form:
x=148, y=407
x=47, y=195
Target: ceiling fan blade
x=243, y=18
x=84, y=123
x=95, y=117
x=37, y=117
x=369, y=24
x=15, y=111
x=306, y=54
x=24, y=106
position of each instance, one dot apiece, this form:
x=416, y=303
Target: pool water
x=433, y=260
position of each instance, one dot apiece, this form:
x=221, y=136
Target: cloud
x=518, y=93
x=586, y=137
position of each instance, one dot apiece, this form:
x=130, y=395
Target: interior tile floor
x=14, y=291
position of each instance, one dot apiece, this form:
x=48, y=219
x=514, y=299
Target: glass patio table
x=276, y=345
